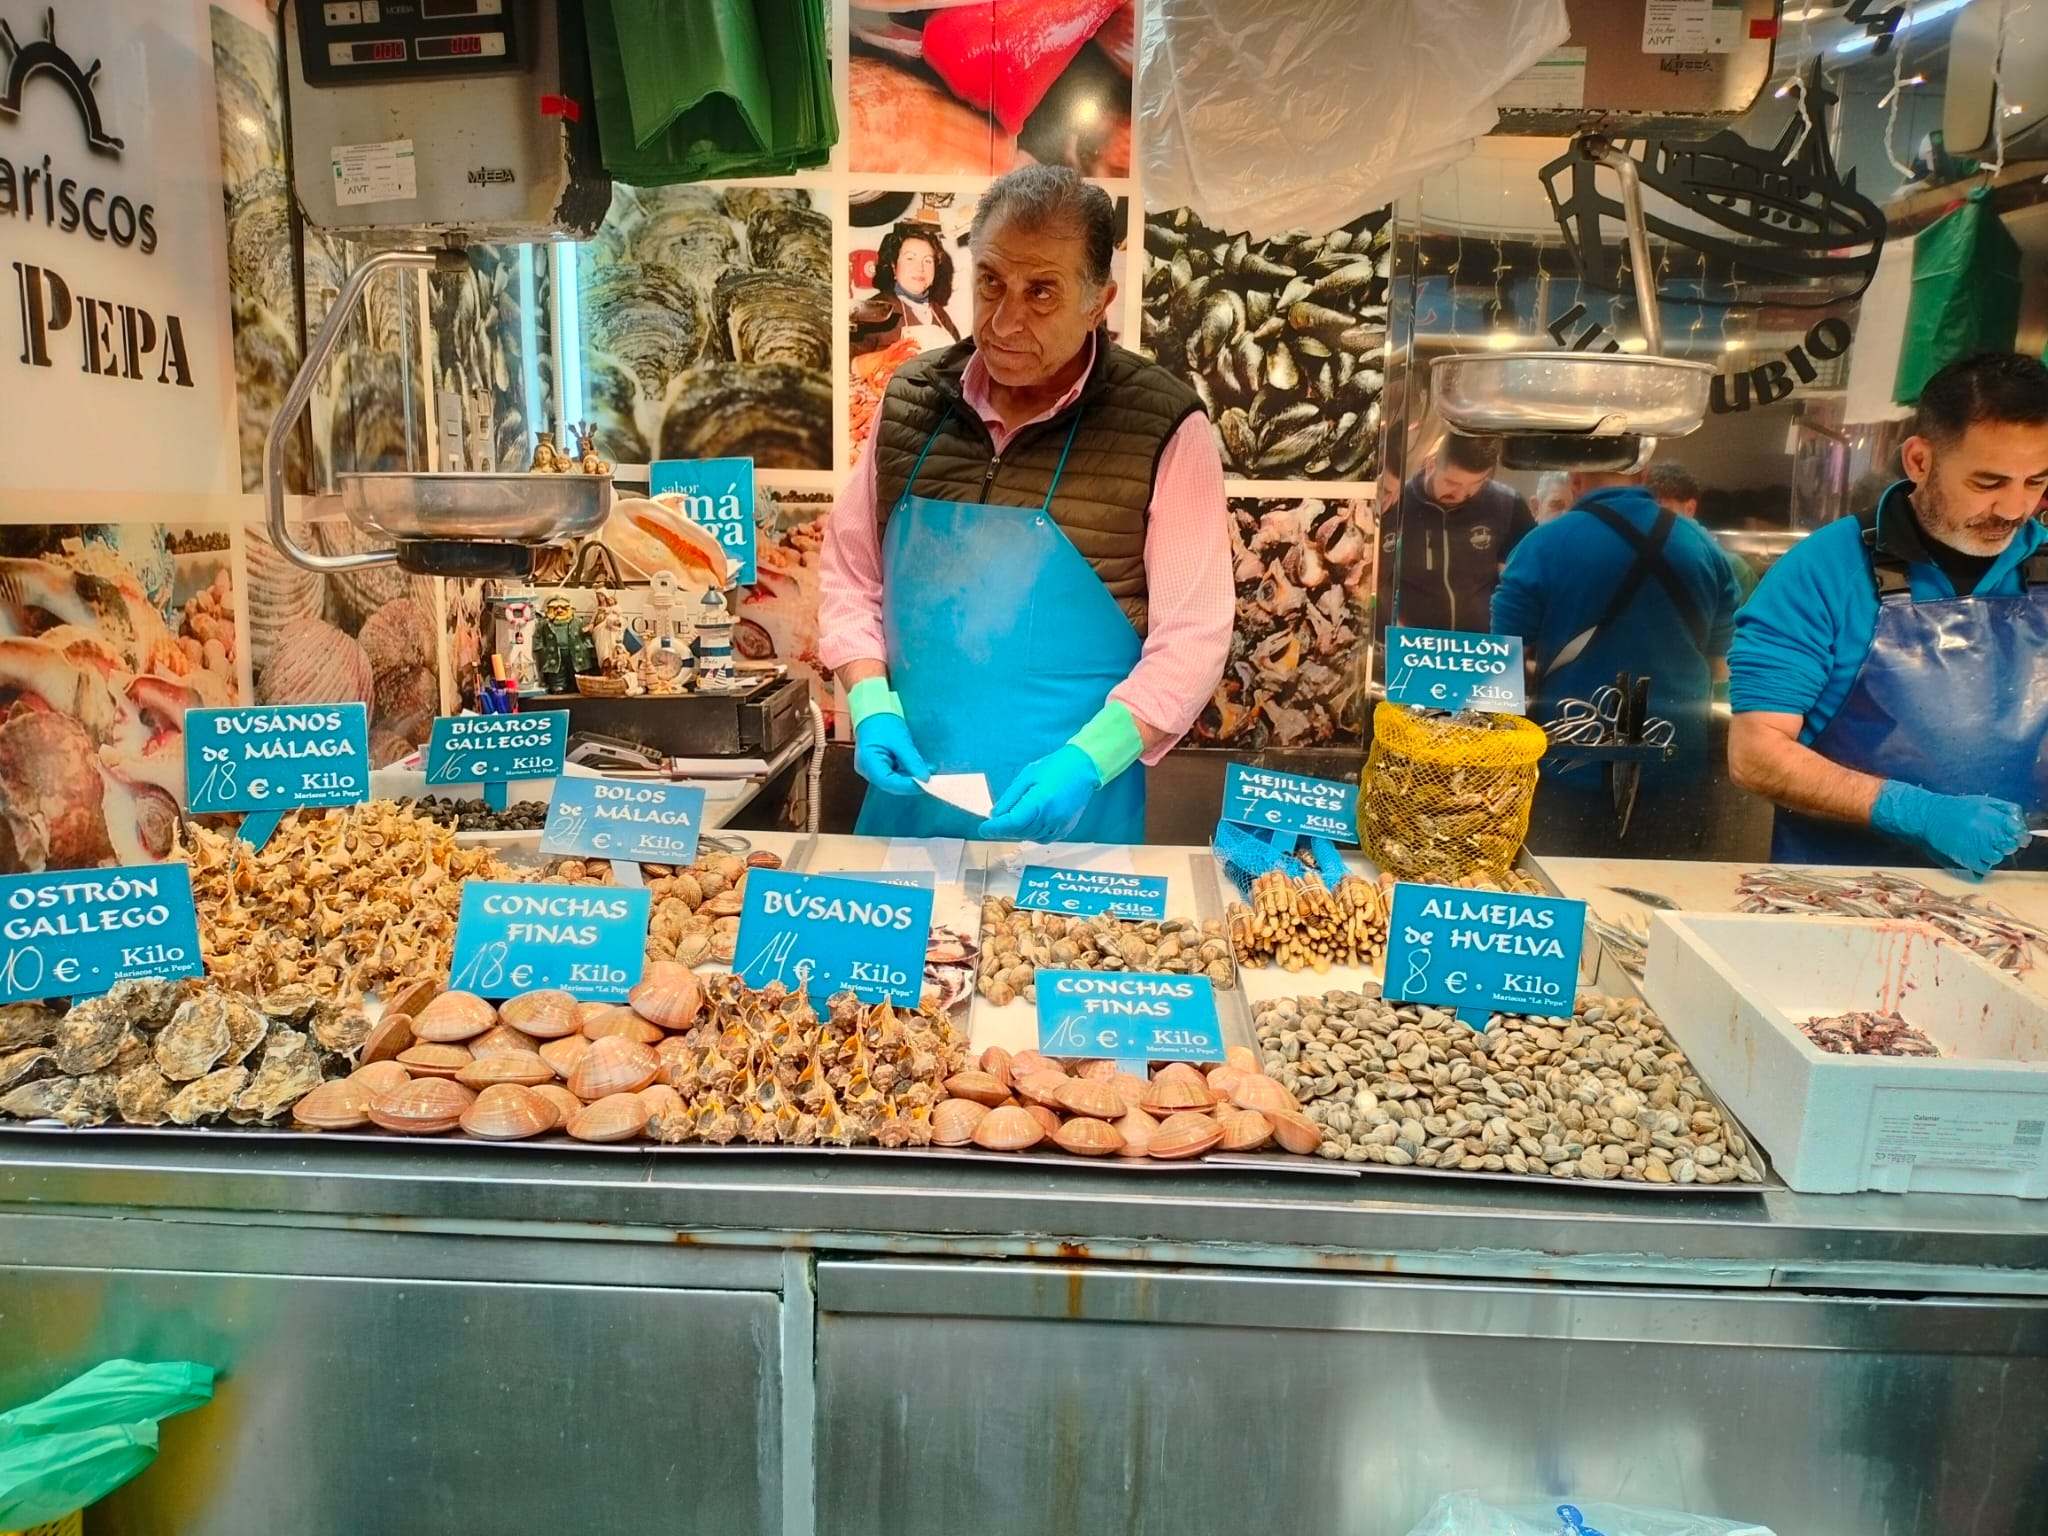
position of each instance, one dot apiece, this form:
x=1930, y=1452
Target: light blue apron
x=1002, y=643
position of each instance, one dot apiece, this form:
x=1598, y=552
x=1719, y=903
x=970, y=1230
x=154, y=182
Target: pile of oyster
x=174, y=1053
x=683, y=1060
x=341, y=901
x=1602, y=1095
x=1096, y=1109
x=1016, y=943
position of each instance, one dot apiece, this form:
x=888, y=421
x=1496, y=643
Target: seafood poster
x=1305, y=577
x=907, y=282
x=109, y=633
x=977, y=89
x=778, y=617
x=365, y=636
x=706, y=317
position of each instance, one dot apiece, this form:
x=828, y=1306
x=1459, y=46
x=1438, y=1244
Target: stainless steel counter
x=461, y=1338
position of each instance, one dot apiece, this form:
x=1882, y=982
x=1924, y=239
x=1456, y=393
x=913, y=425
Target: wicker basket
x=600, y=687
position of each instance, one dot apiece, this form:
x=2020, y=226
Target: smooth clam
x=1244, y=1130
x=388, y=1036
x=1045, y=1117
x=668, y=994
x=1263, y=1094
x=1242, y=1057
x=545, y=1015
x=601, y=1019
x=996, y=1062
x=336, y=1106
x=1092, y=1097
x=426, y=1106
x=1102, y=1069
x=381, y=1076
x=524, y=1068
x=1184, y=1135
x=613, y=1065
x=1171, y=1095
x=1042, y=1088
x=508, y=1112
x=1181, y=1072
x=1008, y=1130
x=1296, y=1133
x=454, y=1016
x=563, y=1054
x=1024, y=1063
x=1085, y=1137
x=561, y=1100
x=954, y=1120
x=503, y=1037
x=433, y=1058
x=614, y=1117
x=982, y=1087
x=1137, y=1129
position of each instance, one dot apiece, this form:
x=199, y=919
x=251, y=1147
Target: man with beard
x=1442, y=551
x=1890, y=676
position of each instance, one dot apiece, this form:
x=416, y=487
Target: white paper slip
x=969, y=791
x=943, y=856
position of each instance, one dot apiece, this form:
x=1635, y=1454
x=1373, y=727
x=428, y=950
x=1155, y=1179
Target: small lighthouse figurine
x=713, y=644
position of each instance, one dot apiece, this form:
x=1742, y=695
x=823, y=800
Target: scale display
x=344, y=42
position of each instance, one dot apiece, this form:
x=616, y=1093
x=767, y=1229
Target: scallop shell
x=1137, y=1129
x=563, y=1054
x=380, y=1076
x=614, y=1117
x=524, y=1068
x=1296, y=1133
x=1093, y=1097
x=454, y=1016
x=613, y=1065
x=1263, y=1094
x=434, y=1058
x=391, y=1034
x=1086, y=1137
x=601, y=1019
x=1168, y=1096
x=502, y=1037
x=995, y=1061
x=426, y=1106
x=337, y=1106
x=1008, y=1130
x=1244, y=1130
x=668, y=995
x=508, y=1112
x=561, y=1100
x=1184, y=1135
x=982, y=1087
x=954, y=1120
x=1024, y=1063
x=1048, y=1121
x=544, y=1015
x=1244, y=1058
x=1042, y=1088
x=281, y=592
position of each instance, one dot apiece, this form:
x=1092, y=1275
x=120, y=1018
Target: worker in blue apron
x=989, y=597
x=1889, y=677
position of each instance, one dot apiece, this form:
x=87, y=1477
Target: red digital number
x=472, y=43
x=385, y=52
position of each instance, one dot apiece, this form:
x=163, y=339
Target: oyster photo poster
x=77, y=933
x=825, y=934
x=718, y=496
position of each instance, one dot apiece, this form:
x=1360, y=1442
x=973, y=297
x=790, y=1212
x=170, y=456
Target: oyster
x=788, y=236
x=26, y=1065
x=292, y=1005
x=776, y=414
x=208, y=1098
x=90, y=1038
x=198, y=1036
x=148, y=1002
x=142, y=1095
x=771, y=317
x=647, y=320
x=47, y=1098
x=28, y=1024
x=288, y=1071
x=341, y=1031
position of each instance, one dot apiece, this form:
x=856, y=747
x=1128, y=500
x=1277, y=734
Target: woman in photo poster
x=913, y=286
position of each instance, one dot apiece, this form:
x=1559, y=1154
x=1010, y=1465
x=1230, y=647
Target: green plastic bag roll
x=1966, y=294
x=79, y=1443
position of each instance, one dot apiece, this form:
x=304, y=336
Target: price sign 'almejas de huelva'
x=1483, y=952
x=77, y=932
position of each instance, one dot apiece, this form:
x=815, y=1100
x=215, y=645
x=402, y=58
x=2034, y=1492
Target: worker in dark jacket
x=1442, y=551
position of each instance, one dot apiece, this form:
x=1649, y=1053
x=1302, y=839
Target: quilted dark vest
x=1129, y=409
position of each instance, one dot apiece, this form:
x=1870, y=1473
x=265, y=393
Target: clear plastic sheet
x=1265, y=117
x=1466, y=1514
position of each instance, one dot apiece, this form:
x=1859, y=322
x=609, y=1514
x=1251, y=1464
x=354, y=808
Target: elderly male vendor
x=1890, y=676
x=1029, y=574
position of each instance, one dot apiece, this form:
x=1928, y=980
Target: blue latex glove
x=1046, y=800
x=1973, y=833
x=886, y=757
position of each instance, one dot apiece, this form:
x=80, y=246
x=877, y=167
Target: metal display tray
x=758, y=722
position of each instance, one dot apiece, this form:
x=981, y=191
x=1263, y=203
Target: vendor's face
x=1449, y=486
x=1033, y=304
x=1974, y=493
x=916, y=265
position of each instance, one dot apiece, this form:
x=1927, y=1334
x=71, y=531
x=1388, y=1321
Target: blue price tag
x=1086, y=892
x=1287, y=802
x=917, y=879
x=829, y=933
x=496, y=749
x=717, y=494
x=514, y=938
x=1446, y=669
x=1131, y=1016
x=1484, y=952
x=273, y=759
x=77, y=932
x=624, y=819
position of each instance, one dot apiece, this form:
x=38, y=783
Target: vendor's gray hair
x=1052, y=197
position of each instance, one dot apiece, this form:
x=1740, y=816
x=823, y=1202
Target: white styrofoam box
x=1731, y=989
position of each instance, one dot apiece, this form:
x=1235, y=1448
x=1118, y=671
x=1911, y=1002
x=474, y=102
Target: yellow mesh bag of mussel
x=1445, y=797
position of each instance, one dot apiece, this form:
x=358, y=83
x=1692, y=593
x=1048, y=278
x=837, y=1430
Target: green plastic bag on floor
x=1966, y=293
x=79, y=1443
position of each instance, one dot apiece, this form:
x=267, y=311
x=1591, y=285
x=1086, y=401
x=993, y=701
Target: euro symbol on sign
x=1071, y=905
x=258, y=788
x=1107, y=1039
x=65, y=970
x=1455, y=981
x=1273, y=816
x=1436, y=690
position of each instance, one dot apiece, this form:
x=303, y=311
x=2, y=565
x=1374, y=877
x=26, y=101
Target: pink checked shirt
x=1188, y=579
